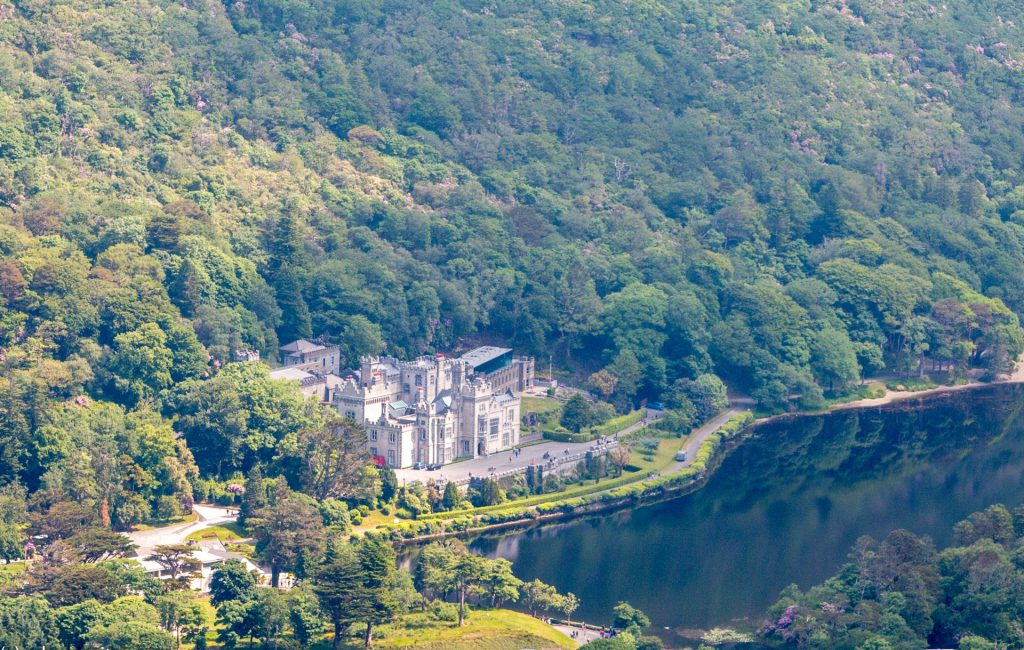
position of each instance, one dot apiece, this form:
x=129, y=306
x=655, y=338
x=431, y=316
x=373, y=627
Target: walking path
x=890, y=396
x=206, y=516
x=584, y=635
x=1016, y=377
x=699, y=435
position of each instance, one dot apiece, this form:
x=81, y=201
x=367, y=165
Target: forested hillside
x=791, y=195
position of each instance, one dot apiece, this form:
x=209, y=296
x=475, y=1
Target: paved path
x=206, y=516
x=584, y=635
x=505, y=461
x=699, y=436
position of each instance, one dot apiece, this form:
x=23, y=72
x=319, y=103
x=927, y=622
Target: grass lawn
x=547, y=412
x=248, y=550
x=10, y=574
x=662, y=458
x=540, y=405
x=498, y=629
x=228, y=532
x=372, y=520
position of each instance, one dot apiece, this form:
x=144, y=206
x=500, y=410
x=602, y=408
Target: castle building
x=433, y=410
x=311, y=356
x=502, y=370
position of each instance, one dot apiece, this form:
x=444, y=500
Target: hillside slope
x=791, y=195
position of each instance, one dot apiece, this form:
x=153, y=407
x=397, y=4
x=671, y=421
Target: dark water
x=785, y=506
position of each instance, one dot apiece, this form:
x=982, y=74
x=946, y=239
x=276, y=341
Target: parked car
x=656, y=406
x=681, y=455
x=434, y=466
x=419, y=465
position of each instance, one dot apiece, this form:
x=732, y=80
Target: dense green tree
x=283, y=529
x=499, y=584
x=180, y=614
x=335, y=514
x=141, y=363
x=537, y=596
x=12, y=542
x=27, y=623
x=94, y=544
x=295, y=318
x=237, y=418
x=359, y=585
x=255, y=496
x=388, y=484
x=270, y=614
x=334, y=454
x=131, y=635
x=235, y=622
x=75, y=621
x=378, y=562
x=451, y=498
x=576, y=413
x=487, y=493
x=231, y=581
x=630, y=619
x=834, y=360
x=304, y=615
x=706, y=396
x=341, y=589
x=449, y=567
x=74, y=583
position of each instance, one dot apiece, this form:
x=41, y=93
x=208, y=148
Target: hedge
x=564, y=435
x=615, y=425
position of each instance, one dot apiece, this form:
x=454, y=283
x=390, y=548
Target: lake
x=785, y=506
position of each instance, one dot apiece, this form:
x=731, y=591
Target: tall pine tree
x=255, y=496
x=295, y=320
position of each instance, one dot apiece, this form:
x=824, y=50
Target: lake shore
x=892, y=396
x=788, y=494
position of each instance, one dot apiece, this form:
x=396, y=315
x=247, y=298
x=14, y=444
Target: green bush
x=619, y=423
x=562, y=434
x=167, y=507
x=439, y=610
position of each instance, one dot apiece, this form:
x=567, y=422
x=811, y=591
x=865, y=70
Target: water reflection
x=785, y=507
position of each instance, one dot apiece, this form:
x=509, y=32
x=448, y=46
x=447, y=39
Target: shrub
x=166, y=507
x=441, y=611
x=335, y=513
